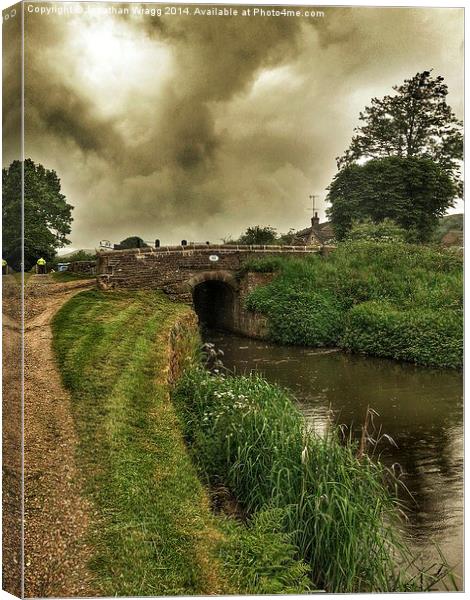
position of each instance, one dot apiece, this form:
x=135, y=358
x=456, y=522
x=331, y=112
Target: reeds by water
x=339, y=511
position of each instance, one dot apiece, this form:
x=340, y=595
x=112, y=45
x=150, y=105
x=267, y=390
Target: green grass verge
x=397, y=300
x=65, y=276
x=335, y=507
x=154, y=532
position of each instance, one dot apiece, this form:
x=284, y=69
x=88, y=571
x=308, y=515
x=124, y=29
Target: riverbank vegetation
x=389, y=299
x=222, y=490
x=153, y=531
x=247, y=435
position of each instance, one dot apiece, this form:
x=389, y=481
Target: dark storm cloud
x=11, y=92
x=214, y=60
x=68, y=116
x=198, y=127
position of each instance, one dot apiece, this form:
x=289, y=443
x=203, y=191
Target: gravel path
x=11, y=438
x=56, y=513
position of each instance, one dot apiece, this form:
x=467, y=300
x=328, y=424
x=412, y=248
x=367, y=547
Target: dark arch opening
x=214, y=304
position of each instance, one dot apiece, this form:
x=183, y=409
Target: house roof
x=316, y=235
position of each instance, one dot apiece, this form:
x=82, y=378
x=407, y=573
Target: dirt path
x=56, y=512
x=11, y=436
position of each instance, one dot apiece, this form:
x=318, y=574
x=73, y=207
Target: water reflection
x=421, y=409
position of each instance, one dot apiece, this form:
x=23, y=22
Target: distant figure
x=41, y=266
x=4, y=267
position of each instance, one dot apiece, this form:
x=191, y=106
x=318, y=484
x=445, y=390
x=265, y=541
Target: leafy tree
x=47, y=215
x=416, y=122
x=133, y=242
x=258, y=235
x=288, y=238
x=413, y=192
x=11, y=215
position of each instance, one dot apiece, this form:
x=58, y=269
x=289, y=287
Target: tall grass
x=248, y=435
x=313, y=301
x=259, y=557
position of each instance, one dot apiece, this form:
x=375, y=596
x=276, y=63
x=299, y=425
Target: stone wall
x=251, y=324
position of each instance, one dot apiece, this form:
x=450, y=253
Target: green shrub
x=420, y=336
x=263, y=265
x=249, y=436
x=299, y=316
x=384, y=231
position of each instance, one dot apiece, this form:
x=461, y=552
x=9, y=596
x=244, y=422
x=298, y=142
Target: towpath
x=57, y=513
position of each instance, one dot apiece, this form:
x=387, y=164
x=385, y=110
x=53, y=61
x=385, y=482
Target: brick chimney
x=315, y=221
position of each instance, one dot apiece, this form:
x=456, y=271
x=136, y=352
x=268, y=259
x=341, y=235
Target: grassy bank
x=334, y=503
x=65, y=276
x=395, y=300
x=154, y=531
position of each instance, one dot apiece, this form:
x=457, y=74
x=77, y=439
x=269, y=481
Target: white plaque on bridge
x=213, y=258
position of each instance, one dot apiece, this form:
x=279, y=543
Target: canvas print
x=232, y=299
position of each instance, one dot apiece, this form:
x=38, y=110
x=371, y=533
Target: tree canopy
x=134, y=241
x=415, y=122
x=47, y=215
x=413, y=192
x=258, y=235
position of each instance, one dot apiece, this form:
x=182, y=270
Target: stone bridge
x=209, y=277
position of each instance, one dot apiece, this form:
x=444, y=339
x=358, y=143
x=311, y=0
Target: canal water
x=420, y=409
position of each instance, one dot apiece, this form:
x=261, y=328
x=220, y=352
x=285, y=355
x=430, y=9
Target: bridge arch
x=215, y=298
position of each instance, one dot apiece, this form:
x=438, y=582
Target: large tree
x=415, y=122
x=413, y=192
x=47, y=215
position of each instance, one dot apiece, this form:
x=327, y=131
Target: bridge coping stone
x=212, y=248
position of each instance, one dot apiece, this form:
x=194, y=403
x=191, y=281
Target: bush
x=420, y=336
x=299, y=317
x=248, y=435
x=384, y=231
x=263, y=265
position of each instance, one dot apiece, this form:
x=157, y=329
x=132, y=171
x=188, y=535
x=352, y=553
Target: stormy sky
x=196, y=127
